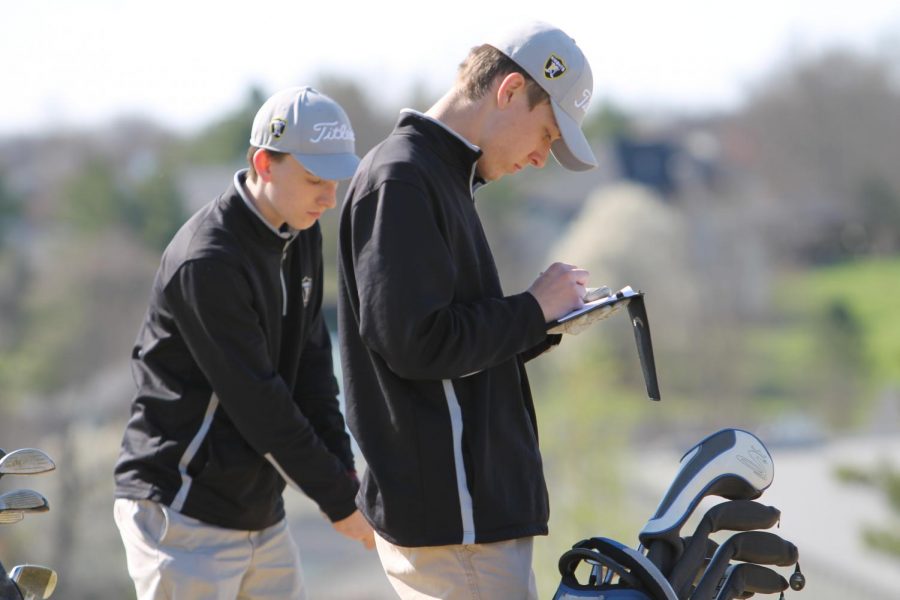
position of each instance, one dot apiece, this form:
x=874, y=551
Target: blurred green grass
x=870, y=291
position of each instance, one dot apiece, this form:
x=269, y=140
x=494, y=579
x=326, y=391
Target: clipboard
x=640, y=326
x=581, y=314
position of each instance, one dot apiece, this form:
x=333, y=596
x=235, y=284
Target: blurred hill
x=766, y=240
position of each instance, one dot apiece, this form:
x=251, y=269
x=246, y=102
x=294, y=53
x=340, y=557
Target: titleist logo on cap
x=334, y=130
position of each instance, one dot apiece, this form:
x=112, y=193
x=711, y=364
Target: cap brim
x=572, y=149
x=329, y=166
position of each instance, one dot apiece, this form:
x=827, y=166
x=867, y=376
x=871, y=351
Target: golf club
x=8, y=517
x=748, y=577
x=749, y=546
x=710, y=549
x=731, y=463
x=34, y=581
x=23, y=500
x=732, y=515
x=25, y=461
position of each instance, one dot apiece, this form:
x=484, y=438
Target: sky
x=183, y=63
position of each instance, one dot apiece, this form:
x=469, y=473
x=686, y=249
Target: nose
x=328, y=198
x=538, y=158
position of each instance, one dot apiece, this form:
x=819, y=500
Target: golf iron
x=25, y=461
x=34, y=581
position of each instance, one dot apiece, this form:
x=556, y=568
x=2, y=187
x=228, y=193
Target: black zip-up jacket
x=235, y=385
x=433, y=352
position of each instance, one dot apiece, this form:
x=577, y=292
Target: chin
x=304, y=224
x=493, y=176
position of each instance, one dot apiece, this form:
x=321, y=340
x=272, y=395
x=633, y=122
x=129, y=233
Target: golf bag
x=732, y=464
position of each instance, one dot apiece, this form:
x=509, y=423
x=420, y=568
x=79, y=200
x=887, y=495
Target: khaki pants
x=499, y=571
x=174, y=557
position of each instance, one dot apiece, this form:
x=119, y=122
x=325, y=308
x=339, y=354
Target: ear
x=262, y=163
x=510, y=85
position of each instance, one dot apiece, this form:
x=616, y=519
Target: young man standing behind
x=433, y=351
x=236, y=394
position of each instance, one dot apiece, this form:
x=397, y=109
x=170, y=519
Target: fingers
x=560, y=289
x=368, y=541
x=356, y=528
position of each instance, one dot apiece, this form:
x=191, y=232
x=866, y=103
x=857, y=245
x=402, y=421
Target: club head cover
x=731, y=463
x=731, y=515
x=760, y=547
x=744, y=578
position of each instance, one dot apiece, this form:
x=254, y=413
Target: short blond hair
x=275, y=156
x=483, y=65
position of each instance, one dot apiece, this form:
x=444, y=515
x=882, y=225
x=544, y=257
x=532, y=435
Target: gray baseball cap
x=556, y=63
x=310, y=126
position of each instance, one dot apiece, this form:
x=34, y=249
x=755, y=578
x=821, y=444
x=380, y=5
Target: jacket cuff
x=341, y=510
x=535, y=351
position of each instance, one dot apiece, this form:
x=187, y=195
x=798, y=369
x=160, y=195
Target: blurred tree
x=155, y=208
x=94, y=200
x=102, y=197
x=225, y=140
x=824, y=136
x=606, y=121
x=880, y=215
x=371, y=124
x=79, y=312
x=10, y=210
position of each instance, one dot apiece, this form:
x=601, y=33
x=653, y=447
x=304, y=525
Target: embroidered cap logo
x=277, y=127
x=334, y=130
x=554, y=67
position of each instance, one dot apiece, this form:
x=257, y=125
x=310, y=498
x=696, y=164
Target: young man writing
x=433, y=350
x=236, y=393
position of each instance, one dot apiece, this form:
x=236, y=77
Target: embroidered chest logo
x=306, y=284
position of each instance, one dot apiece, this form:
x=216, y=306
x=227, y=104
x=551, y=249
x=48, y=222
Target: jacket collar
x=447, y=143
x=238, y=198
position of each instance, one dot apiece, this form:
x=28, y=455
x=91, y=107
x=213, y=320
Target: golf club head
x=8, y=517
x=731, y=515
x=748, y=546
x=23, y=500
x=26, y=461
x=750, y=578
x=34, y=581
x=731, y=463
